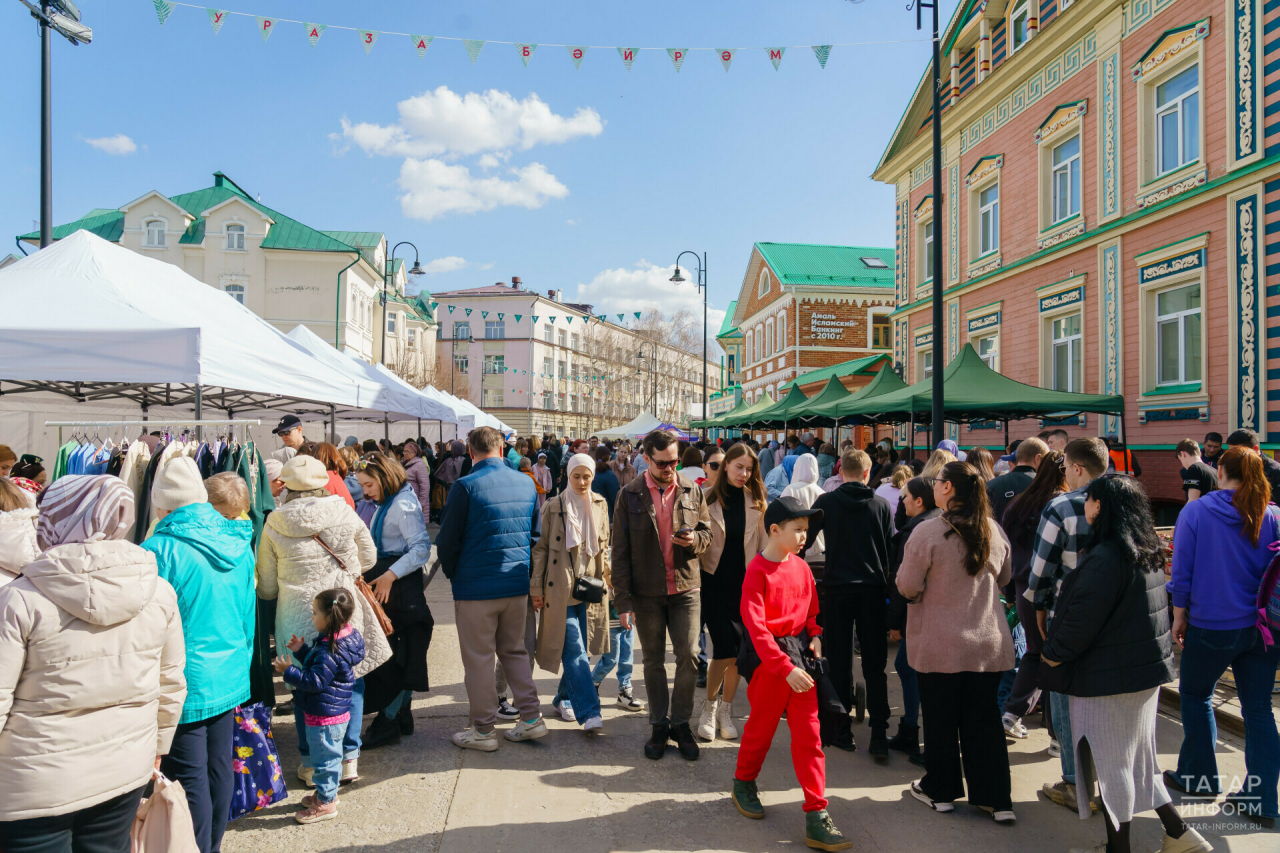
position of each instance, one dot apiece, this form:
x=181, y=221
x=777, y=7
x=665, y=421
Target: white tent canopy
x=85, y=311
x=463, y=408
x=643, y=424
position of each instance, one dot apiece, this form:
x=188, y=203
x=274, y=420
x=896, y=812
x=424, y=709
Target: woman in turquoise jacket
x=209, y=562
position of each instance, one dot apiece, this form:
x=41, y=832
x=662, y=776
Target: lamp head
x=417, y=268
x=677, y=278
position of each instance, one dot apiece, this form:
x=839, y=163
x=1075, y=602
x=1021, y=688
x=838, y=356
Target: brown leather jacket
x=638, y=568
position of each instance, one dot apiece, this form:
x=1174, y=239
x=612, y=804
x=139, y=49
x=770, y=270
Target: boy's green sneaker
x=821, y=834
x=747, y=799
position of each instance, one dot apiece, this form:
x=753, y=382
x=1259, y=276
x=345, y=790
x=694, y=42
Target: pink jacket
x=419, y=476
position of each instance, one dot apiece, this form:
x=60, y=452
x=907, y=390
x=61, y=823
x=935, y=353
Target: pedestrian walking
x=1198, y=479
x=484, y=550
x=660, y=527
x=780, y=619
x=418, y=476
x=574, y=546
x=605, y=482
x=1109, y=649
x=1003, y=489
x=735, y=508
x=1221, y=548
x=713, y=463
x=78, y=749
x=952, y=571
x=622, y=467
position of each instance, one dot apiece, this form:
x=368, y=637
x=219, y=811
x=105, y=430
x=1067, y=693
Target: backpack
x=1268, y=601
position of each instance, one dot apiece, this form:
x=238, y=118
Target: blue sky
x=589, y=180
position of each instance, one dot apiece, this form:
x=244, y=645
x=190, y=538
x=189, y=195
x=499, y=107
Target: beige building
x=284, y=271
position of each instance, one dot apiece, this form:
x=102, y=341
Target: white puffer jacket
x=91, y=677
x=295, y=568
x=17, y=542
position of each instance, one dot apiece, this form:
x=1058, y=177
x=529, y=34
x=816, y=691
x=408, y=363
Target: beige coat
x=753, y=542
x=91, y=678
x=554, y=570
x=295, y=568
x=17, y=542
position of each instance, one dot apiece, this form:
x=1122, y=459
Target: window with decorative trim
x=1177, y=114
x=780, y=342
x=989, y=219
x=768, y=338
x=1178, y=340
x=1020, y=25
x=155, y=236
x=236, y=292
x=924, y=255
x=1066, y=353
x=1170, y=78
x=1064, y=180
x=235, y=238
x=763, y=283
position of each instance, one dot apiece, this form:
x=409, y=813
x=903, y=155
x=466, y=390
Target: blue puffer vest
x=485, y=537
x=322, y=686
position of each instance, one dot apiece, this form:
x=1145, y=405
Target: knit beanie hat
x=274, y=467
x=304, y=473
x=177, y=485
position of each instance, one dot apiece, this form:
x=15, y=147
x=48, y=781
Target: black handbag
x=589, y=590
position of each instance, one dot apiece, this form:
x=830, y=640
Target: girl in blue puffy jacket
x=322, y=688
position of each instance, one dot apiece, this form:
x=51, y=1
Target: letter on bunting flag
x=164, y=9
x=526, y=52
x=451, y=307
x=775, y=56
x=421, y=43
x=726, y=56
x=314, y=31
x=823, y=52
x=484, y=315
x=468, y=310
x=677, y=55
x=576, y=53
x=368, y=38
x=265, y=26
x=217, y=17
x=473, y=47
x=628, y=55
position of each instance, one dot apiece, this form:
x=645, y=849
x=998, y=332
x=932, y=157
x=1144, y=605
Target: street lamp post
x=416, y=270
x=653, y=370
x=936, y=420
x=701, y=265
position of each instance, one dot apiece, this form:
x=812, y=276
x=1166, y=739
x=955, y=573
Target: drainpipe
x=337, y=305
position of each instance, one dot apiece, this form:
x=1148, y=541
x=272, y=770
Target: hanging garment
x=63, y=459
x=251, y=468
x=143, y=504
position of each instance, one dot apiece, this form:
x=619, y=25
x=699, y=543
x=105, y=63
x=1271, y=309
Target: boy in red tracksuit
x=779, y=607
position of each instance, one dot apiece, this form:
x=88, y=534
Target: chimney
x=515, y=282
x=498, y=284
x=551, y=294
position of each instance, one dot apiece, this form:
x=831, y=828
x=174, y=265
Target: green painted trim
x=980, y=162
x=1057, y=226
x=1171, y=245
x=1191, y=26
x=1184, y=388
x=1106, y=228
x=1054, y=111
x=1199, y=161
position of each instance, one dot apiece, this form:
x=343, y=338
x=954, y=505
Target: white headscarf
x=580, y=520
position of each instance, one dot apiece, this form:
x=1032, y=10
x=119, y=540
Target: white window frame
x=413, y=336
x=926, y=239
x=1073, y=342
x=548, y=367
x=768, y=337
x=463, y=326
x=547, y=334
x=495, y=364
x=763, y=282
x=492, y=398
x=924, y=363
x=391, y=323
x=495, y=330
x=1150, y=179
x=236, y=292
x=780, y=342
x=561, y=337
x=548, y=400
x=1071, y=168
x=234, y=230
x=1021, y=8
x=992, y=358
x=148, y=233
x=462, y=363
x=1179, y=317
x=989, y=220
x=1177, y=106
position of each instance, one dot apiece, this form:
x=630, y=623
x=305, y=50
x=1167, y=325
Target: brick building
x=1111, y=191
x=804, y=307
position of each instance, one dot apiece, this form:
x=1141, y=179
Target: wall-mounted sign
x=828, y=327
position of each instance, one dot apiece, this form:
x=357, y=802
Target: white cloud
x=119, y=145
x=441, y=122
x=570, y=222
x=440, y=265
x=647, y=287
x=434, y=188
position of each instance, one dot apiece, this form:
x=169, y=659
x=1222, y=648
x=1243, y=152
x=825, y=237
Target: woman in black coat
x=1109, y=648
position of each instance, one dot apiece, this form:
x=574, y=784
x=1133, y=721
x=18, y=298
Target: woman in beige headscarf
x=574, y=543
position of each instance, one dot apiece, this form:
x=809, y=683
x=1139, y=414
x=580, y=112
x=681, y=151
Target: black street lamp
x=415, y=270
x=701, y=266
x=640, y=357
x=938, y=230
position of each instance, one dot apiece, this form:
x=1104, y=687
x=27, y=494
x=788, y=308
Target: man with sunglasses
x=660, y=526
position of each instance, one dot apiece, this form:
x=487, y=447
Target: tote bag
x=163, y=823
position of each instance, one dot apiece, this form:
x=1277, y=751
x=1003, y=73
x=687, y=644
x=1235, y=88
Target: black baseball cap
x=287, y=424
x=785, y=509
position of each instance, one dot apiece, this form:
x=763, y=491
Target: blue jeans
x=575, y=682
x=325, y=747
x=350, y=739
x=910, y=686
x=1206, y=654
x=1061, y=708
x=621, y=654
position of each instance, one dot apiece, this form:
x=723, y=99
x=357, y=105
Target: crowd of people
x=1032, y=581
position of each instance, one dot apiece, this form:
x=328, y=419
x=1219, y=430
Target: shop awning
x=833, y=392
x=828, y=412
x=781, y=412
x=747, y=415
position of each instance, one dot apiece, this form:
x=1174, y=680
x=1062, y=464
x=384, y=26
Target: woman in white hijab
x=804, y=487
x=574, y=543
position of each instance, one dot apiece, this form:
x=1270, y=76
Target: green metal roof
x=726, y=327
x=803, y=263
x=109, y=226
x=866, y=364
x=361, y=239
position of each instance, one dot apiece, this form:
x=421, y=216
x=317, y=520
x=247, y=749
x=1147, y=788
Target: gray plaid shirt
x=1057, y=552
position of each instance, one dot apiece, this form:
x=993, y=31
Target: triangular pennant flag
x=518, y=316
x=569, y=320
x=677, y=55
x=526, y=52
x=314, y=31
x=484, y=314
x=823, y=52
x=163, y=10
x=217, y=17
x=576, y=53
x=368, y=38
x=473, y=48
x=265, y=26
x=775, y=56
x=433, y=305
x=619, y=318
x=637, y=315
x=602, y=317
x=468, y=310
x=628, y=55
x=552, y=319
x=451, y=307
x=501, y=316
x=421, y=43
x=535, y=319
x=726, y=56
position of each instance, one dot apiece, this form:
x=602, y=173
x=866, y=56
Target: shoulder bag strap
x=322, y=544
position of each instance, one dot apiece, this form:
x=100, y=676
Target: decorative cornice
x=923, y=209
x=1075, y=229
x=984, y=268
x=1168, y=46
x=1178, y=188
x=983, y=169
x=1062, y=117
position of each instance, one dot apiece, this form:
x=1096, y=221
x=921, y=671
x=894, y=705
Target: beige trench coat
x=553, y=576
x=753, y=541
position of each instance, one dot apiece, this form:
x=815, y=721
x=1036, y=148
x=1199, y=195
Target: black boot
x=702, y=674
x=907, y=739
x=879, y=746
x=381, y=732
x=405, y=719
x=683, y=736
x=656, y=747
x=844, y=736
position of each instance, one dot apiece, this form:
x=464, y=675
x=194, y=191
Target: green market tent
x=720, y=420
x=747, y=415
x=825, y=410
x=781, y=412
x=974, y=392
x=833, y=392
x=867, y=365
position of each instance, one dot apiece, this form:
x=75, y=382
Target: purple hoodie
x=1216, y=572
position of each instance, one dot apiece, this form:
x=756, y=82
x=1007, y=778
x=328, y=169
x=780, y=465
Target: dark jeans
x=200, y=759
x=680, y=618
x=1025, y=694
x=103, y=828
x=910, y=686
x=863, y=608
x=1206, y=654
x=964, y=738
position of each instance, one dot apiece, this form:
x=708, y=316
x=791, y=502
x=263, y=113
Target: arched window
x=764, y=282
x=236, y=292
x=155, y=233
x=235, y=238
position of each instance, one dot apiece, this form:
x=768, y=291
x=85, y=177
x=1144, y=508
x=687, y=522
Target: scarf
x=80, y=508
x=380, y=518
x=579, y=519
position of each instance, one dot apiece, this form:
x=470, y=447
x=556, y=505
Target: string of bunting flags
x=603, y=318
x=577, y=53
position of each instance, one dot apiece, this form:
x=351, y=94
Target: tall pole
x=938, y=340
x=703, y=278
x=46, y=132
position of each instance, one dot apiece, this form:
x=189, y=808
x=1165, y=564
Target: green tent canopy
x=781, y=412
x=974, y=392
x=832, y=392
x=747, y=415
x=827, y=410
x=720, y=420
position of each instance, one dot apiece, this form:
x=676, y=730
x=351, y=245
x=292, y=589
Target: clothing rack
x=198, y=423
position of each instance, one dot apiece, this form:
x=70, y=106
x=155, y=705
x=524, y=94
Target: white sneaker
x=349, y=771
x=1190, y=842
x=526, y=731
x=593, y=726
x=920, y=795
x=1054, y=750
x=627, y=700
x=1000, y=815
x=1013, y=726
x=306, y=775
x=706, y=728
x=469, y=738
x=724, y=721
x=565, y=710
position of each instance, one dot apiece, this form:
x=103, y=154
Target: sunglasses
x=930, y=482
x=663, y=464
x=714, y=466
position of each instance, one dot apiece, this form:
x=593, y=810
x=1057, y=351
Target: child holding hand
x=322, y=688
x=780, y=615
